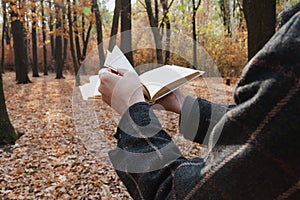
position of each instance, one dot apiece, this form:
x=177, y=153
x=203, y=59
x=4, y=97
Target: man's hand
x=120, y=91
x=173, y=102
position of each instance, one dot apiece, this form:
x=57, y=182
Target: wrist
x=180, y=99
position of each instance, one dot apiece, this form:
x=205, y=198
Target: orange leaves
x=49, y=161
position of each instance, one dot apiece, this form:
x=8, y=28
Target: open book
x=156, y=83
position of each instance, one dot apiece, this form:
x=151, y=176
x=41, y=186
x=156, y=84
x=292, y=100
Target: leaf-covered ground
x=63, y=152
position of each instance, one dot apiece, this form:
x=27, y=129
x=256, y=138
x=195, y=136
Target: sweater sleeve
x=145, y=154
x=199, y=117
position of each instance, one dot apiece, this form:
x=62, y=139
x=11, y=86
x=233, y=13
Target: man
x=253, y=146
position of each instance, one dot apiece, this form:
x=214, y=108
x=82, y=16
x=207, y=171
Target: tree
x=8, y=135
x=99, y=31
x=52, y=42
x=195, y=8
x=71, y=39
x=19, y=44
x=115, y=25
x=154, y=21
x=3, y=36
x=65, y=39
x=76, y=32
x=44, y=38
x=166, y=25
x=85, y=35
x=225, y=14
x=260, y=18
x=34, y=40
x=126, y=29
x=58, y=42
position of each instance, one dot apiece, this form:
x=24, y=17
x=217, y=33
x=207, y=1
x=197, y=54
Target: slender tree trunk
x=8, y=135
x=72, y=48
x=65, y=41
x=58, y=44
x=44, y=38
x=52, y=41
x=115, y=25
x=225, y=11
x=166, y=21
x=96, y=12
x=83, y=28
x=153, y=20
x=261, y=18
x=3, y=37
x=86, y=41
x=34, y=44
x=77, y=42
x=195, y=9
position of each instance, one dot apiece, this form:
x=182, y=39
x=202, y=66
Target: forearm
x=146, y=158
x=199, y=117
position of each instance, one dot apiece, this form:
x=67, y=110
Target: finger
x=102, y=70
x=107, y=75
x=122, y=71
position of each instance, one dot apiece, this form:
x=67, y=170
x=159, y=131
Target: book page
x=117, y=60
x=90, y=90
x=162, y=77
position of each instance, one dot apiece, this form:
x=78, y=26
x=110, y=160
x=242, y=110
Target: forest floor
x=63, y=152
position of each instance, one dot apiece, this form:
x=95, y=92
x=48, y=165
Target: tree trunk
x=225, y=13
x=8, y=135
x=261, y=18
x=115, y=25
x=96, y=12
x=35, y=72
x=58, y=44
x=72, y=48
x=19, y=45
x=65, y=39
x=44, y=38
x=86, y=41
x=52, y=42
x=166, y=22
x=126, y=30
x=77, y=42
x=83, y=28
x=153, y=20
x=3, y=37
x=195, y=9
